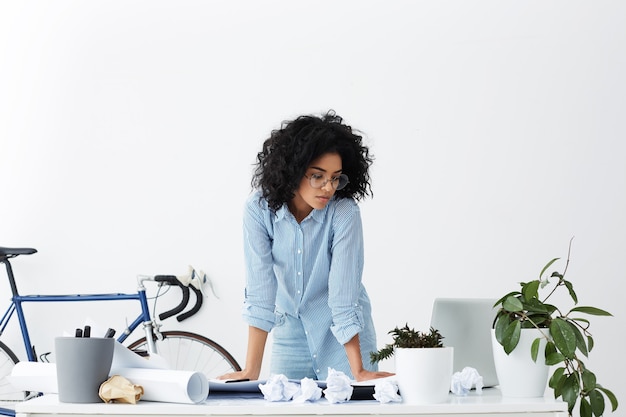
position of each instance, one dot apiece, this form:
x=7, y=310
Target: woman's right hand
x=254, y=356
x=240, y=375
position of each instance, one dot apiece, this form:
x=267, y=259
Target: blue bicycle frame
x=16, y=307
x=17, y=300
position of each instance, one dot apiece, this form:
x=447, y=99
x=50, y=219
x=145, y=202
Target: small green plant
x=568, y=339
x=406, y=337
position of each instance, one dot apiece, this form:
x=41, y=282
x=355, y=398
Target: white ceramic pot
x=424, y=374
x=519, y=376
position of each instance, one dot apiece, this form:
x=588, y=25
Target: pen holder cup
x=83, y=364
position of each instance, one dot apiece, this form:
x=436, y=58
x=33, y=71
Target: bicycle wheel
x=191, y=352
x=8, y=359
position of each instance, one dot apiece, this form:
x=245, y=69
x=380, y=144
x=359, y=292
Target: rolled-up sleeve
x=346, y=272
x=260, y=292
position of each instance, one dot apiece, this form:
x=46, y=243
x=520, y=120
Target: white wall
x=128, y=130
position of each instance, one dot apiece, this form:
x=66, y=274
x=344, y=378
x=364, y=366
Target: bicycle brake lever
x=199, y=279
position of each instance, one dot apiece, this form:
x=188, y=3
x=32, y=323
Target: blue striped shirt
x=311, y=271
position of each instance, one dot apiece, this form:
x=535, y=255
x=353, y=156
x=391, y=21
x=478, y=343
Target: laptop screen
x=465, y=324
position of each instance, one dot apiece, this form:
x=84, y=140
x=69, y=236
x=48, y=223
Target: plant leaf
x=511, y=336
x=609, y=394
x=597, y=402
x=547, y=266
x=533, y=305
x=580, y=339
x=591, y=310
x=512, y=304
x=556, y=381
x=502, y=323
x=554, y=358
x=552, y=355
x=570, y=391
x=530, y=290
x=589, y=380
x=534, y=349
x=564, y=337
x=585, y=408
x=570, y=289
x=501, y=300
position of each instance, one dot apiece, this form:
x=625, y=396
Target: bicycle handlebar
x=196, y=306
x=173, y=280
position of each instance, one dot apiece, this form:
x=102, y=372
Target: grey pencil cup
x=83, y=364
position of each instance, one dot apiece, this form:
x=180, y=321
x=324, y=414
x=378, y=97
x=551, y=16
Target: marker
x=87, y=331
x=109, y=333
x=79, y=333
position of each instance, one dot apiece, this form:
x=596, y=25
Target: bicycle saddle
x=10, y=252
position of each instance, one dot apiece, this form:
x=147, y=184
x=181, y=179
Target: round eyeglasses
x=318, y=181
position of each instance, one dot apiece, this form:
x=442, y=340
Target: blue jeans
x=290, y=351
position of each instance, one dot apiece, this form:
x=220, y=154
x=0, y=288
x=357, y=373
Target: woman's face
x=326, y=168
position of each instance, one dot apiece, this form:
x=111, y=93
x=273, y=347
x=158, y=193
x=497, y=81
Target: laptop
x=465, y=324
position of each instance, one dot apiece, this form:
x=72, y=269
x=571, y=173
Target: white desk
x=490, y=403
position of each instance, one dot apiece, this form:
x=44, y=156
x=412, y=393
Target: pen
x=110, y=333
x=79, y=333
x=87, y=331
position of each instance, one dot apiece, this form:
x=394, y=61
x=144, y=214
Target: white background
x=128, y=131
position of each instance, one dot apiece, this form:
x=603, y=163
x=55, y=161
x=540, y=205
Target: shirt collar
x=317, y=215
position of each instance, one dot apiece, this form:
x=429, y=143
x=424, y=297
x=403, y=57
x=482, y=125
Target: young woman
x=303, y=246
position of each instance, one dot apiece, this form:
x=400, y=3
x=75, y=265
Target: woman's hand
x=239, y=375
x=353, y=351
x=365, y=375
x=254, y=356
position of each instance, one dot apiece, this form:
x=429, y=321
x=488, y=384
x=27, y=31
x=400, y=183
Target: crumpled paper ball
x=386, y=391
x=279, y=388
x=309, y=391
x=338, y=387
x=120, y=390
x=462, y=382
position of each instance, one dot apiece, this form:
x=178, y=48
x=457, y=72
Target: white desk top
x=490, y=402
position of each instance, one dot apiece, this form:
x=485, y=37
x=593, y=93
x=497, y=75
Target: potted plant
x=423, y=364
x=562, y=331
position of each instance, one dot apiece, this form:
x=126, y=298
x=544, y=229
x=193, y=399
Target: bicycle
x=183, y=350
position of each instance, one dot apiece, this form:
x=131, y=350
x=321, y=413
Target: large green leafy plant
x=567, y=334
x=407, y=337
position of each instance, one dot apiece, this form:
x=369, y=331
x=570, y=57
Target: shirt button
x=299, y=251
x=317, y=371
x=314, y=356
x=298, y=291
x=299, y=273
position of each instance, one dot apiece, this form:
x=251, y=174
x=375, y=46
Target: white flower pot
x=519, y=376
x=424, y=374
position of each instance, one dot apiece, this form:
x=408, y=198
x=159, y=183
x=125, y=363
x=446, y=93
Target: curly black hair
x=288, y=152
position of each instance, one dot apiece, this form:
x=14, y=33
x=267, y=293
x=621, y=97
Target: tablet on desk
x=234, y=385
x=360, y=390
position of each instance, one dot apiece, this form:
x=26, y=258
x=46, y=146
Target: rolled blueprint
x=34, y=376
x=168, y=385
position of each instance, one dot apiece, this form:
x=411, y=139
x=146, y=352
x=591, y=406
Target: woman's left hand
x=365, y=375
